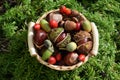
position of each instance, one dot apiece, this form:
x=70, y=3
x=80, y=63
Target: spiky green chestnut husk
x=64, y=42
x=55, y=33
x=71, y=46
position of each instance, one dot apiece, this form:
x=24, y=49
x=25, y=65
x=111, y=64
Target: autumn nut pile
x=63, y=37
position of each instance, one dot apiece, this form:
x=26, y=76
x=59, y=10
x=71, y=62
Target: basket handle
x=30, y=39
x=94, y=50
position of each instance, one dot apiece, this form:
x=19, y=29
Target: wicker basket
x=33, y=52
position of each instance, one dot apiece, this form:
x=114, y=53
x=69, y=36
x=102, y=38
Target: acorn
x=86, y=25
x=71, y=46
x=85, y=48
x=71, y=58
x=55, y=16
x=82, y=36
x=46, y=54
x=45, y=25
x=39, y=37
x=69, y=25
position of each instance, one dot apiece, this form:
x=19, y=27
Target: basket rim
x=34, y=53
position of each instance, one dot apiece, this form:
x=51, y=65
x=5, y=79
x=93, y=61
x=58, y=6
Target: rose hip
x=81, y=57
x=52, y=60
x=53, y=24
x=36, y=27
x=58, y=57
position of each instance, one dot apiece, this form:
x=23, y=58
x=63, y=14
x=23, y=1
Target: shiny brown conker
x=71, y=58
x=61, y=37
x=39, y=37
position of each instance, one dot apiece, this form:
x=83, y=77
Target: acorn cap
x=64, y=42
x=55, y=33
x=48, y=44
x=69, y=25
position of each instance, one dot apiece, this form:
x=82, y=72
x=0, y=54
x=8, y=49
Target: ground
x=16, y=62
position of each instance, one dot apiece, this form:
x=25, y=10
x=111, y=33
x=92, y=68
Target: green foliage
x=17, y=64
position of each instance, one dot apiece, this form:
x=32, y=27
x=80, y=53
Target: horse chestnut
x=71, y=58
x=39, y=37
x=61, y=37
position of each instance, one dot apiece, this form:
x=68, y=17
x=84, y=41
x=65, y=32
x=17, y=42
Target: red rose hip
x=81, y=57
x=68, y=11
x=53, y=24
x=36, y=27
x=65, y=10
x=58, y=56
x=62, y=9
x=77, y=26
x=52, y=60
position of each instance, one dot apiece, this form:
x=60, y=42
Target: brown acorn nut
x=55, y=16
x=69, y=25
x=82, y=36
x=85, y=48
x=39, y=37
x=71, y=58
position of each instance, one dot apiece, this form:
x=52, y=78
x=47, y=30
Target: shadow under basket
x=34, y=53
